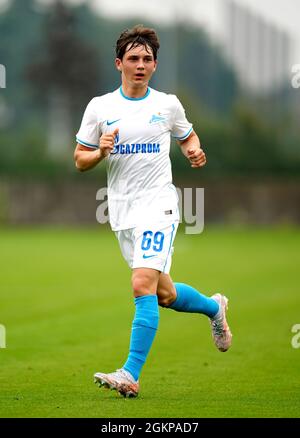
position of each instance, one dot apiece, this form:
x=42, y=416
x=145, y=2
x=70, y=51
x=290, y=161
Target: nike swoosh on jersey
x=148, y=257
x=113, y=121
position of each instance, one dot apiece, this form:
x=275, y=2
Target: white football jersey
x=139, y=176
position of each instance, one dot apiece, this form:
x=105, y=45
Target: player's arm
x=87, y=158
x=191, y=149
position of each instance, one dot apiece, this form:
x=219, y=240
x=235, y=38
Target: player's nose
x=140, y=65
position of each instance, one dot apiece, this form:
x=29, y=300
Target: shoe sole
x=102, y=383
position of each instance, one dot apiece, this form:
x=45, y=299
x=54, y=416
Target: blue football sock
x=190, y=300
x=144, y=328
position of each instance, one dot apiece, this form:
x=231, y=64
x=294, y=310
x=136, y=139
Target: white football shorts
x=148, y=247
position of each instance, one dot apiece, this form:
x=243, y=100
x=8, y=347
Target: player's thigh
x=144, y=281
x=166, y=292
x=126, y=243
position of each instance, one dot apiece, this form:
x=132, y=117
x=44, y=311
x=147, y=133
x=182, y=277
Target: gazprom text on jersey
x=137, y=148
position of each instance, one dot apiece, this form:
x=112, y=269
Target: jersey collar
x=134, y=98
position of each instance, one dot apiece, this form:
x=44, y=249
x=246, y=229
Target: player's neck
x=134, y=92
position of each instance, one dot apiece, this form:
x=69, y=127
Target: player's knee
x=142, y=285
x=167, y=298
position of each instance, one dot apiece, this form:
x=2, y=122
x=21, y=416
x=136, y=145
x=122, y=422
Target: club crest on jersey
x=157, y=118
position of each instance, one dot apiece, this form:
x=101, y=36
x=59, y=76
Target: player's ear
x=155, y=64
x=118, y=64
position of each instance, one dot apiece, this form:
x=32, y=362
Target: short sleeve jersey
x=139, y=176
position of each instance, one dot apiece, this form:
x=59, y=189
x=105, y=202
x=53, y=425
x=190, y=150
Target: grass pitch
x=67, y=307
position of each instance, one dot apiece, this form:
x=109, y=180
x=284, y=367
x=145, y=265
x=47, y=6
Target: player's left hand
x=196, y=157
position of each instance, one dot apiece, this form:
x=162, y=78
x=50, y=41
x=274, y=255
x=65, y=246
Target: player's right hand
x=107, y=142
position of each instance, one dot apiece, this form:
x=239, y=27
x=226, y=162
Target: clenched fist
x=107, y=142
x=197, y=157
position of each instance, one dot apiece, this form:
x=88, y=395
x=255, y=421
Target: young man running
x=130, y=129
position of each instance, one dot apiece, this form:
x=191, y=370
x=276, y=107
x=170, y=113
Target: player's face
x=137, y=66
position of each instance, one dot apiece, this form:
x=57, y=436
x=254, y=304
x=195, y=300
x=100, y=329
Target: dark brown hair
x=138, y=35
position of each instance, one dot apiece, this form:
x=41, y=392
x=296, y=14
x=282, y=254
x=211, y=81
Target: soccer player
x=130, y=130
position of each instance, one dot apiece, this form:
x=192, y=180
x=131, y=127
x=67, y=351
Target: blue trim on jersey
x=134, y=98
x=171, y=241
x=95, y=146
x=184, y=136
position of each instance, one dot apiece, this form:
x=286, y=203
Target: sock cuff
x=145, y=300
x=147, y=312
x=178, y=287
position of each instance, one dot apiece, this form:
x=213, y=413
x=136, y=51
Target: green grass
x=67, y=307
